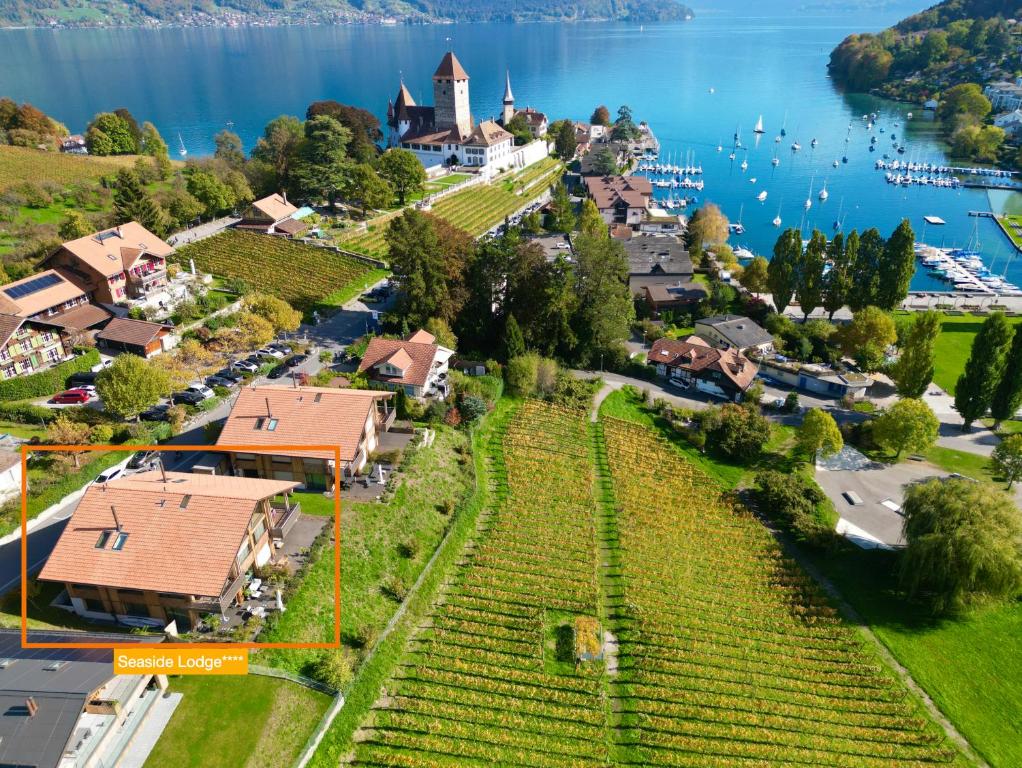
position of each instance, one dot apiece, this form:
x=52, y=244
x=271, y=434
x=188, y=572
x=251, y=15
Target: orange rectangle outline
x=263, y=449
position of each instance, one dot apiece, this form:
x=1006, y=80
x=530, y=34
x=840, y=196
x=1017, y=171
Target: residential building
x=27, y=346
x=1004, y=96
x=417, y=364
x=10, y=475
x=812, y=377
x=159, y=547
x=352, y=419
x=138, y=337
x=535, y=120
x=74, y=145
x=65, y=708
x=662, y=265
x=659, y=222
x=620, y=199
x=693, y=363
x=114, y=265
x=1011, y=122
x=272, y=215
x=673, y=296
x=42, y=296
x=734, y=331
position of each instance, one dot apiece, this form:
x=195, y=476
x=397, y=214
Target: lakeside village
x=486, y=318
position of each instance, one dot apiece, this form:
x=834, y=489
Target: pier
x=1002, y=226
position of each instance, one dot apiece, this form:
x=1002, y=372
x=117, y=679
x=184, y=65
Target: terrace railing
x=286, y=521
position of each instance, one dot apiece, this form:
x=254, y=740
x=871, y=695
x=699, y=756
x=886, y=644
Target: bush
x=791, y=402
x=101, y=434
x=211, y=431
x=520, y=375
x=472, y=408
x=26, y=413
x=793, y=500
x=47, y=382
x=436, y=412
x=396, y=588
x=738, y=433
x=408, y=548
x=331, y=668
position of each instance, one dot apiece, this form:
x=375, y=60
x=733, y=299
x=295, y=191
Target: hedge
x=27, y=413
x=47, y=382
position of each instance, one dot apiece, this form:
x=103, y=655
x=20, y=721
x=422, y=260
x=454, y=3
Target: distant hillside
x=217, y=12
x=956, y=41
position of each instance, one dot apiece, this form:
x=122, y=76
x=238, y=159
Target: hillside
x=953, y=42
x=217, y=12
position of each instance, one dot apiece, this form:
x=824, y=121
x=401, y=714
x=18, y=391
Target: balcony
x=142, y=284
x=221, y=604
x=283, y=516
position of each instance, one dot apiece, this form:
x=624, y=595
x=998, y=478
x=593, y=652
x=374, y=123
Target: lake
x=768, y=61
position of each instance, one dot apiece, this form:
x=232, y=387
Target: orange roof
x=111, y=251
x=275, y=207
x=37, y=293
x=185, y=549
x=421, y=357
x=450, y=68
x=304, y=416
x=138, y=333
x=695, y=354
x=400, y=359
x=422, y=336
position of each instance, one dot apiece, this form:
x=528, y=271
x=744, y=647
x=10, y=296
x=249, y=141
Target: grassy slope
x=241, y=721
x=18, y=164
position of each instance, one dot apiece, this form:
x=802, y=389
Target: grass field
x=19, y=164
x=242, y=721
x=305, y=276
x=953, y=346
x=1008, y=223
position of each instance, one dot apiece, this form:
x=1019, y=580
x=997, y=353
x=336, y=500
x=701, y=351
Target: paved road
x=202, y=231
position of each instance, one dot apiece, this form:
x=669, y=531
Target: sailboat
x=776, y=161
x=783, y=123
x=181, y=141
x=836, y=163
x=762, y=196
x=745, y=164
x=777, y=219
x=759, y=126
x=720, y=147
x=739, y=228
x=813, y=143
x=824, y=194
x=837, y=221
x=809, y=199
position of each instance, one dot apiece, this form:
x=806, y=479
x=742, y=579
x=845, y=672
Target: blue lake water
x=769, y=60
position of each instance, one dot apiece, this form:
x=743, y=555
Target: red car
x=74, y=396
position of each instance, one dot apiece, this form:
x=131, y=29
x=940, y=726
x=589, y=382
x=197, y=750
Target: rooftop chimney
x=268, y=411
x=117, y=522
x=163, y=470
x=31, y=706
x=119, y=231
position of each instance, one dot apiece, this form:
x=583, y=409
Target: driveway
x=980, y=440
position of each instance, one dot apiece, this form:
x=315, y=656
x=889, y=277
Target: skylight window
x=185, y=500
x=5, y=663
x=55, y=666
x=259, y=422
x=119, y=542
x=104, y=537
x=271, y=425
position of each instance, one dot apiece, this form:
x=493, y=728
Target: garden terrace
x=730, y=655
x=481, y=682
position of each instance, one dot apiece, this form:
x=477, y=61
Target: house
x=139, y=337
x=10, y=475
x=417, y=364
x=277, y=415
x=74, y=145
x=272, y=215
x=693, y=363
x=734, y=331
x=658, y=222
x=1004, y=96
x=930, y=105
x=618, y=151
x=27, y=346
x=620, y=199
x=812, y=377
x=1011, y=122
x=41, y=296
x=667, y=296
x=159, y=547
x=114, y=265
x=664, y=262
x=65, y=708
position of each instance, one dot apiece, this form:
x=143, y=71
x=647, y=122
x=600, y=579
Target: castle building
x=446, y=134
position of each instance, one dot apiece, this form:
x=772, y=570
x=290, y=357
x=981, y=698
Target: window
x=119, y=542
x=136, y=609
x=184, y=501
x=260, y=529
x=259, y=422
x=246, y=547
x=104, y=537
x=271, y=425
x=94, y=605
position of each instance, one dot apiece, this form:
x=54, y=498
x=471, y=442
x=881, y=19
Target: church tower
x=509, y=102
x=450, y=96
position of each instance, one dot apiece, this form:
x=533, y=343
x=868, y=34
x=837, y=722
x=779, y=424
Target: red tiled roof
x=138, y=333
x=693, y=354
x=608, y=191
x=421, y=356
x=450, y=68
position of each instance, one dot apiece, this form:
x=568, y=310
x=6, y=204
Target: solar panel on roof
x=33, y=286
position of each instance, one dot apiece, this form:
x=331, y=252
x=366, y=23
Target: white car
x=245, y=365
x=107, y=475
x=276, y=354
x=201, y=389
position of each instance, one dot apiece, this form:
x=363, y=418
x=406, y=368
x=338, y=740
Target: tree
x=975, y=388
x=865, y=268
x=181, y=205
x=403, y=170
x=365, y=187
x=791, y=498
x=605, y=311
x=442, y=332
x=1007, y=397
x=277, y=312
x=111, y=134
x=590, y=222
x=964, y=544
x=151, y=143
x=133, y=203
x=977, y=142
x=214, y=195
x=782, y=275
x=913, y=371
x=837, y=282
x=809, y=273
x=362, y=124
x=755, y=277
x=908, y=425
x=565, y=141
x=819, y=433
x=964, y=99
x=514, y=344
x=604, y=162
x=229, y=149
x=519, y=128
x=562, y=211
x=321, y=167
x=866, y=338
x=708, y=226
x=933, y=48
x=1006, y=459
x=624, y=127
x=75, y=225
x=252, y=330
x=64, y=431
x=601, y=116
x=738, y=433
x=520, y=374
x=278, y=147
x=130, y=385
x=897, y=265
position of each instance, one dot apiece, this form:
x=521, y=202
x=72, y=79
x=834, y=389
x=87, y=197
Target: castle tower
x=450, y=96
x=509, y=102
x=399, y=115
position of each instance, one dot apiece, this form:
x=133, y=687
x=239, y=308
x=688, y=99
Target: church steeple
x=509, y=100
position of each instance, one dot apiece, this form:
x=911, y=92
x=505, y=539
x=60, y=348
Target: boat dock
x=1003, y=225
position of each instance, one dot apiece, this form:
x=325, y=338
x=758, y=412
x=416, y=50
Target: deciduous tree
x=321, y=167
x=1006, y=459
x=75, y=225
x=819, y=433
x=590, y=222
x=866, y=338
x=277, y=312
x=908, y=425
x=403, y=170
x=63, y=431
x=229, y=148
x=782, y=275
x=913, y=371
x=755, y=277
x=278, y=147
x=600, y=116
x=975, y=388
x=897, y=265
x=1007, y=395
x=367, y=189
x=130, y=385
x=809, y=273
x=866, y=270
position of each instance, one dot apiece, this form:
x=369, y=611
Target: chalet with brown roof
x=278, y=415
x=692, y=363
x=157, y=546
x=124, y=262
x=27, y=346
x=138, y=337
x=620, y=199
x=417, y=364
x=272, y=215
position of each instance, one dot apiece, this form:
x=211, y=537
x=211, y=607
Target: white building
x=1011, y=122
x=1005, y=96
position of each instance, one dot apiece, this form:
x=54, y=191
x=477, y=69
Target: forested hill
x=217, y=12
x=956, y=41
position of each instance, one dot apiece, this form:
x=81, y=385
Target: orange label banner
x=181, y=661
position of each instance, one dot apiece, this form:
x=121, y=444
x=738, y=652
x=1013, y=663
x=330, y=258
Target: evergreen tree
x=605, y=310
x=866, y=270
x=782, y=278
x=565, y=142
x=976, y=386
x=133, y=203
x=1007, y=396
x=897, y=265
x=913, y=372
x=591, y=222
x=319, y=166
x=809, y=273
x=514, y=344
x=562, y=211
x=837, y=282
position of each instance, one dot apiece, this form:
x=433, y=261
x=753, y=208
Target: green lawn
x=26, y=431
x=240, y=721
x=1006, y=223
x=953, y=346
x=971, y=667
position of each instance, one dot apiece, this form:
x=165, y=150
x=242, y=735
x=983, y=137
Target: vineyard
x=489, y=678
x=20, y=164
x=303, y=275
x=729, y=653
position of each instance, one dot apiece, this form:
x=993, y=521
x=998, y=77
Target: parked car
x=109, y=474
x=245, y=365
x=277, y=371
x=186, y=398
x=202, y=390
x=82, y=378
x=144, y=460
x=72, y=397
x=273, y=352
x=295, y=360
x=281, y=347
x=219, y=381
x=156, y=413
x=231, y=376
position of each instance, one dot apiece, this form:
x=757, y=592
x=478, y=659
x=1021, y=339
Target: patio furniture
x=255, y=584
